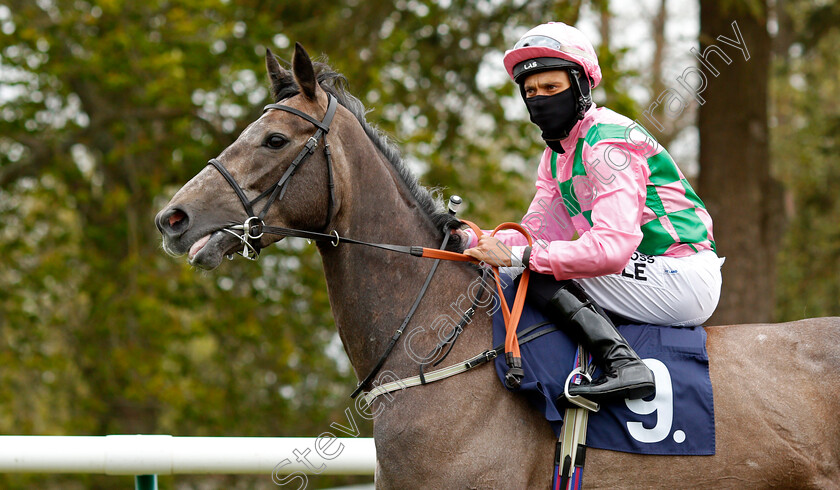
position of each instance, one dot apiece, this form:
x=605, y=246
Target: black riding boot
x=625, y=375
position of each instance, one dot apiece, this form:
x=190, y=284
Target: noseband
x=253, y=228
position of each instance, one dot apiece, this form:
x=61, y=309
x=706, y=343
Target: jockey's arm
x=546, y=218
x=616, y=207
x=603, y=249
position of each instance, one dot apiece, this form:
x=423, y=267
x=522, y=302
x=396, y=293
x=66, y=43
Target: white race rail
x=168, y=455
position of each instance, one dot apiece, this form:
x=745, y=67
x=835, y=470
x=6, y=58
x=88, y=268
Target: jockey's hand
x=491, y=251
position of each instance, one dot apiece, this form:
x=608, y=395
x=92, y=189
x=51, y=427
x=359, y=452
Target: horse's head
x=208, y=216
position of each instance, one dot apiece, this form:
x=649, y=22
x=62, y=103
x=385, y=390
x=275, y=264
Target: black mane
x=335, y=84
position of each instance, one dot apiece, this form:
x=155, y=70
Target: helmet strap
x=584, y=101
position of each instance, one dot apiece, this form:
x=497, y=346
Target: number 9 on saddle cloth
x=677, y=420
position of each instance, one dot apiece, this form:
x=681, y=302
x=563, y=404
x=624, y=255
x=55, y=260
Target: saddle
x=678, y=420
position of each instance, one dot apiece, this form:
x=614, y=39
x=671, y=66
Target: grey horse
x=776, y=386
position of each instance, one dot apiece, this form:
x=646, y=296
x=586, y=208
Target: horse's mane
x=429, y=202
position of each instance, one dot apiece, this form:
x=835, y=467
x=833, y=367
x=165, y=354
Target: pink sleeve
x=546, y=219
x=617, y=205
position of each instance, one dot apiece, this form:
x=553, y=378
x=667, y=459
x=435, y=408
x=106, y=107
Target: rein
x=513, y=358
x=253, y=228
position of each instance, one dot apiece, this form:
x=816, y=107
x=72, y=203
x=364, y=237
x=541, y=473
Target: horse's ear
x=304, y=72
x=280, y=78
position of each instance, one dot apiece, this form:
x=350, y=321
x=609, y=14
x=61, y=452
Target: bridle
x=253, y=228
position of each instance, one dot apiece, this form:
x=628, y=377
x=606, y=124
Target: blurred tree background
x=108, y=106
x=805, y=136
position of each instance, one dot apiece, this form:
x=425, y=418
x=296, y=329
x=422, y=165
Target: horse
x=776, y=386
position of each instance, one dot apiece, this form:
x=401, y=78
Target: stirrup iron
x=579, y=400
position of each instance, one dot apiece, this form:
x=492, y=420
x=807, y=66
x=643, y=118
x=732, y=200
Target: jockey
x=615, y=223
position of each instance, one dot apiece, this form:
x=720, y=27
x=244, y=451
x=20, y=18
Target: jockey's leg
x=660, y=290
x=568, y=305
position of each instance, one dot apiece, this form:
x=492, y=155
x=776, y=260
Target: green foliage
x=110, y=105
x=806, y=142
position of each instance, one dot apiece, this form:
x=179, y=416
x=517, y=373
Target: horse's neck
x=371, y=290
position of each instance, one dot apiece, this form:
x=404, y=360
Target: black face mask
x=556, y=115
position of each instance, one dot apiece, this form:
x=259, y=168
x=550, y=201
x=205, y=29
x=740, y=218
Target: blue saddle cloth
x=679, y=420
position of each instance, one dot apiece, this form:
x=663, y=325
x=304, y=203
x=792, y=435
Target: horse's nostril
x=176, y=218
x=174, y=222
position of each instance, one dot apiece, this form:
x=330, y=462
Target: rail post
x=145, y=482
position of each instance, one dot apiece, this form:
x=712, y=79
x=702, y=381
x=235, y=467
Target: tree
x=806, y=141
x=108, y=106
x=742, y=196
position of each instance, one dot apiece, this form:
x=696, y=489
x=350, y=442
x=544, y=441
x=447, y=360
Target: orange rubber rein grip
x=513, y=357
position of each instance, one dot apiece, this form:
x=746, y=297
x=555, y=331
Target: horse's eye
x=276, y=141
